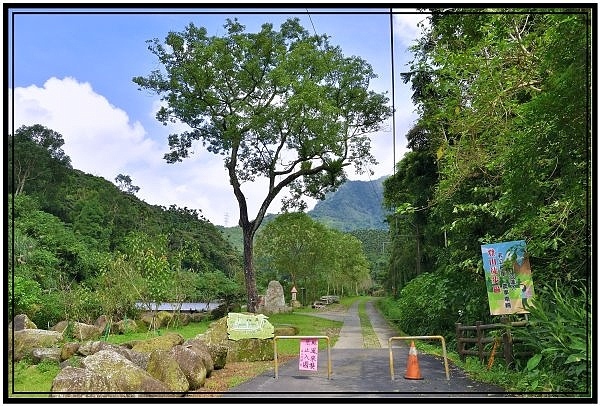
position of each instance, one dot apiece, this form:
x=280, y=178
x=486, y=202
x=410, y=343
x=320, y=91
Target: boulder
x=286, y=330
x=161, y=319
x=123, y=375
x=68, y=350
x=246, y=349
x=164, y=342
x=198, y=316
x=45, y=354
x=21, y=322
x=164, y=367
x=72, y=380
x=181, y=319
x=192, y=365
x=274, y=300
x=101, y=323
x=26, y=340
x=201, y=348
x=92, y=347
x=124, y=326
x=250, y=349
x=79, y=331
x=218, y=353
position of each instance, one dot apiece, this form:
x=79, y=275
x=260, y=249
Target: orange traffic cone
x=412, y=366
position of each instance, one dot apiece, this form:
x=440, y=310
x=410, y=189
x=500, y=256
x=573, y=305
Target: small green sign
x=240, y=325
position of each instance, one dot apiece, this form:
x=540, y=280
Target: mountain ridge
x=355, y=205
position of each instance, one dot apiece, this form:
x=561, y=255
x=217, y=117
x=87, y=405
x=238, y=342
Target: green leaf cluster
x=501, y=151
x=560, y=336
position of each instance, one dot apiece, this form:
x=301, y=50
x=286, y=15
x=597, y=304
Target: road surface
x=361, y=368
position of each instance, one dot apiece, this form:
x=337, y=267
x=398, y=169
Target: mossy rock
x=244, y=350
x=250, y=350
x=164, y=342
x=286, y=330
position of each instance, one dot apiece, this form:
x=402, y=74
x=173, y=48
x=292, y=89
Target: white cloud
x=101, y=140
x=406, y=28
x=99, y=137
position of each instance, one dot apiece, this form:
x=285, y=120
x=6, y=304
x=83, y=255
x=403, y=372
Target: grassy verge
x=370, y=339
x=25, y=377
x=307, y=326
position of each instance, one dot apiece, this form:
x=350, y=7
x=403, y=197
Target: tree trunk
x=249, y=276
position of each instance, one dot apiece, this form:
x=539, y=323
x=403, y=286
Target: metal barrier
x=301, y=338
x=418, y=338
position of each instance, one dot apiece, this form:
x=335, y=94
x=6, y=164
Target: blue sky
x=73, y=73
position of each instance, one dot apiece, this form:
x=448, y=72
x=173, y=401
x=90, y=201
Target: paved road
x=362, y=369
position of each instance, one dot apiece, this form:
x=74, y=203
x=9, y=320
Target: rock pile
x=165, y=365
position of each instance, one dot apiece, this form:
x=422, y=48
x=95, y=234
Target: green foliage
x=301, y=252
x=283, y=105
x=421, y=311
x=431, y=304
x=408, y=192
x=115, y=301
x=215, y=285
x=146, y=268
x=26, y=295
x=375, y=244
x=560, y=335
x=503, y=137
x=58, y=245
x=37, y=159
x=78, y=303
x=67, y=258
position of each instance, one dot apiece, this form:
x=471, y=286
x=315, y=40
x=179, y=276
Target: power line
x=311, y=22
x=393, y=92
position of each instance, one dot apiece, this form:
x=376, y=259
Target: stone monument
x=274, y=300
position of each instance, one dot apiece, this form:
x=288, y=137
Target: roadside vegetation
x=500, y=152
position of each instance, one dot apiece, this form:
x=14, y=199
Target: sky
x=72, y=73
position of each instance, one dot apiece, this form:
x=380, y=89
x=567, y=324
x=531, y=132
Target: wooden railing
x=472, y=340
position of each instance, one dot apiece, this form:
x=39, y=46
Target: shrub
x=559, y=336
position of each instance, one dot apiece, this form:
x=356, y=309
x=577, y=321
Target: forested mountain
x=78, y=236
x=101, y=216
x=356, y=205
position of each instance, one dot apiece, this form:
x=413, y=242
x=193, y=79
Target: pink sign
x=309, y=352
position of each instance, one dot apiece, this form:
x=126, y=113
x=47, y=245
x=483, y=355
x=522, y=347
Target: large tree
x=282, y=105
x=35, y=159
